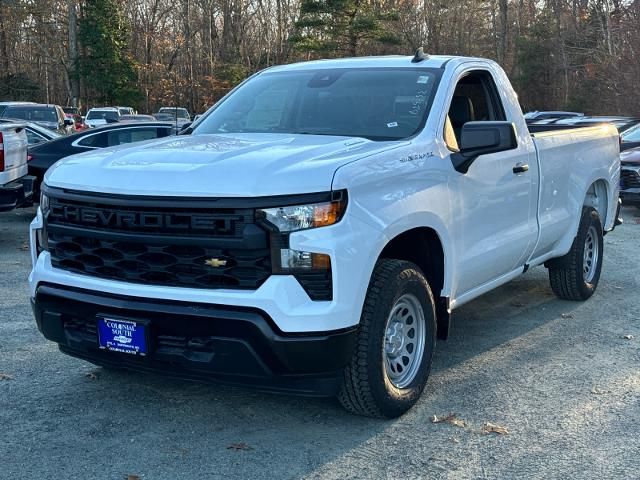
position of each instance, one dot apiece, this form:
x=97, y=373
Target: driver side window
x=475, y=99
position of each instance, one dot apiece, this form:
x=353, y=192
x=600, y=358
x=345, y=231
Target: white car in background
x=126, y=110
x=101, y=116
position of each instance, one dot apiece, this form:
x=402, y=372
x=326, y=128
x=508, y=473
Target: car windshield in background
x=175, y=112
x=379, y=104
x=164, y=117
x=33, y=114
x=103, y=115
x=631, y=135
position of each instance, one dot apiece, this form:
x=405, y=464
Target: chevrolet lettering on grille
x=131, y=220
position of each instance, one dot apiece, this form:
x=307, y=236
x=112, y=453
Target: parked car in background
x=126, y=110
x=621, y=123
x=4, y=105
x=179, y=116
x=48, y=116
x=101, y=116
x=178, y=112
x=41, y=157
x=78, y=122
x=630, y=138
x=35, y=133
x=137, y=118
x=550, y=115
x=630, y=177
x=71, y=110
x=16, y=187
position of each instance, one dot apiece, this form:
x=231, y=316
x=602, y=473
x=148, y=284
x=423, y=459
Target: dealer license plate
x=124, y=336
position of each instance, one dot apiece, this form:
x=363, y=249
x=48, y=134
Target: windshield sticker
x=392, y=124
x=418, y=102
x=423, y=79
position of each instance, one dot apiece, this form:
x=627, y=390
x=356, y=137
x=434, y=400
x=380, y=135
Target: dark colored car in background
x=71, y=110
x=630, y=177
x=41, y=157
x=48, y=116
x=537, y=116
x=630, y=138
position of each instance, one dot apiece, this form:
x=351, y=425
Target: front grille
x=176, y=245
x=629, y=179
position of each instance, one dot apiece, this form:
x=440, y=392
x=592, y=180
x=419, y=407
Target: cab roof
x=432, y=61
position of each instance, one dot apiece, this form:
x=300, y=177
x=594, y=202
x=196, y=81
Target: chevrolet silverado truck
x=16, y=187
x=314, y=230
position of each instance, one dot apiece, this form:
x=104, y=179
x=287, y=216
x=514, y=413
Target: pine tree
x=341, y=27
x=104, y=63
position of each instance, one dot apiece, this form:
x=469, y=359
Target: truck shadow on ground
x=171, y=413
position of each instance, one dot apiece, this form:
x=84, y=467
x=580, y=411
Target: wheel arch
x=597, y=196
x=424, y=246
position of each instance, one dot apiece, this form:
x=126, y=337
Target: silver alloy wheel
x=404, y=340
x=591, y=255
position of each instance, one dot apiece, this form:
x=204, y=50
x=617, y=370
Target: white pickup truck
x=317, y=227
x=16, y=187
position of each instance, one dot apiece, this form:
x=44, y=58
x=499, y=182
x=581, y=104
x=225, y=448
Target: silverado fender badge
x=215, y=262
x=417, y=156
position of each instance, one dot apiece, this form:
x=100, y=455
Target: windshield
x=32, y=114
x=631, y=135
x=379, y=104
x=102, y=115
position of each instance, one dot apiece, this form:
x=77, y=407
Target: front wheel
x=575, y=276
x=396, y=340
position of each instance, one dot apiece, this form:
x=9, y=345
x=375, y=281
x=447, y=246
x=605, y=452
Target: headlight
x=44, y=202
x=302, y=217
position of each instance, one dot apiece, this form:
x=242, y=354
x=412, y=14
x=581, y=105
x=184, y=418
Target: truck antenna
x=419, y=56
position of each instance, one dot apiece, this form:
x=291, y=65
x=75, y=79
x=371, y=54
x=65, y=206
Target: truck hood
x=238, y=165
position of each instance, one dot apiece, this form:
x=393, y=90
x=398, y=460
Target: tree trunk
x=72, y=72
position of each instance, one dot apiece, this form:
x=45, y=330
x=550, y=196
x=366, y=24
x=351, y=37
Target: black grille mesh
x=629, y=179
x=236, y=256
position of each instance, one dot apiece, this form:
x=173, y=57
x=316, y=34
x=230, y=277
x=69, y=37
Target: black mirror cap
x=482, y=138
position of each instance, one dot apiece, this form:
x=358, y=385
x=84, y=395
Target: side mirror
x=185, y=129
x=69, y=122
x=482, y=138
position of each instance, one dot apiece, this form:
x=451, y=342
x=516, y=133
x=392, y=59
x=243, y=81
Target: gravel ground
x=560, y=376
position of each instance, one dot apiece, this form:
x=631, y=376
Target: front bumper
x=18, y=193
x=630, y=196
x=198, y=341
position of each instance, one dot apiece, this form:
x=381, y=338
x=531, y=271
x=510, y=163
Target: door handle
x=520, y=168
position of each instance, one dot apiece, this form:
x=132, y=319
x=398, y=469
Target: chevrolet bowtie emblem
x=215, y=262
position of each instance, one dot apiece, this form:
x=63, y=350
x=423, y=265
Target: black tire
x=366, y=388
x=566, y=274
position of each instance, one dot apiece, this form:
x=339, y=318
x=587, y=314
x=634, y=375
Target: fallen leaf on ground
x=628, y=337
x=451, y=419
x=5, y=376
x=24, y=246
x=91, y=375
x=566, y=315
x=454, y=440
x=598, y=391
x=238, y=446
x=489, y=427
x=133, y=477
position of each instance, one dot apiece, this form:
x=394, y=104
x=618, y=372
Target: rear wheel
x=392, y=361
x=575, y=276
